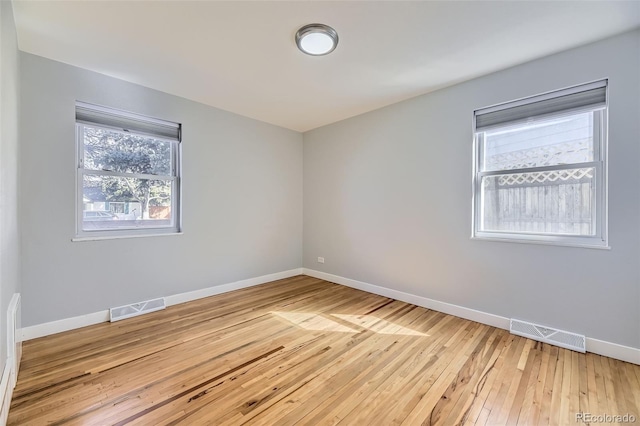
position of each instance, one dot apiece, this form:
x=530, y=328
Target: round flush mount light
x=316, y=39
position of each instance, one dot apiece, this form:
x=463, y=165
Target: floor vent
x=564, y=339
x=135, y=309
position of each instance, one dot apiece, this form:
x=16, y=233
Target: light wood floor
x=306, y=351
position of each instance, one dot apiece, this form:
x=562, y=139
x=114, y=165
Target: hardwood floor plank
x=583, y=386
x=616, y=384
x=477, y=412
x=592, y=374
x=544, y=416
x=603, y=402
x=506, y=387
x=612, y=401
x=532, y=415
x=524, y=395
x=633, y=383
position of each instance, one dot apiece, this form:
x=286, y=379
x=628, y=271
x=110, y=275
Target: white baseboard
x=613, y=350
x=600, y=347
x=225, y=288
x=53, y=327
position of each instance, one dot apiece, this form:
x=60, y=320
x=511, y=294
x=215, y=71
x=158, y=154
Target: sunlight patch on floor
x=311, y=321
x=320, y=322
x=378, y=325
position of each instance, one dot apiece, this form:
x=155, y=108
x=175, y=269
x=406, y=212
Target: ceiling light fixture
x=316, y=39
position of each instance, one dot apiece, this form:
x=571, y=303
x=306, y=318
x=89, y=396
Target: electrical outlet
x=320, y=259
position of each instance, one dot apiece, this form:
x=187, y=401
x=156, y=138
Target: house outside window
x=540, y=169
x=128, y=174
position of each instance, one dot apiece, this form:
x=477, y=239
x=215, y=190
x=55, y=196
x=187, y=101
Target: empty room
x=319, y=212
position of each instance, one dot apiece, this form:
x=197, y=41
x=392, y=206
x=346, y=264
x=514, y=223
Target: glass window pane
x=111, y=202
x=125, y=153
x=561, y=140
x=552, y=202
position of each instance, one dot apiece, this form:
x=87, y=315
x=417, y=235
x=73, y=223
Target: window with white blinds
x=540, y=168
x=128, y=173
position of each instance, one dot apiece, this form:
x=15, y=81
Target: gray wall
x=387, y=200
x=9, y=108
x=242, y=200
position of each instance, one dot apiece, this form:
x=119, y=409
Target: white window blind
x=588, y=96
x=126, y=121
x=128, y=174
x=540, y=168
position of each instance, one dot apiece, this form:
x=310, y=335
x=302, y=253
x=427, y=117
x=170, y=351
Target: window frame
x=174, y=228
x=599, y=163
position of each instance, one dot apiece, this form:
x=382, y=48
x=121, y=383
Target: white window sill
x=542, y=242
x=120, y=237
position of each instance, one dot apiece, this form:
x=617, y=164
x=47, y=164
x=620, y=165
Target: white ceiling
x=241, y=56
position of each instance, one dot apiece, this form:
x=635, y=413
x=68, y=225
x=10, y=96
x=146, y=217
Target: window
x=128, y=173
x=540, y=168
